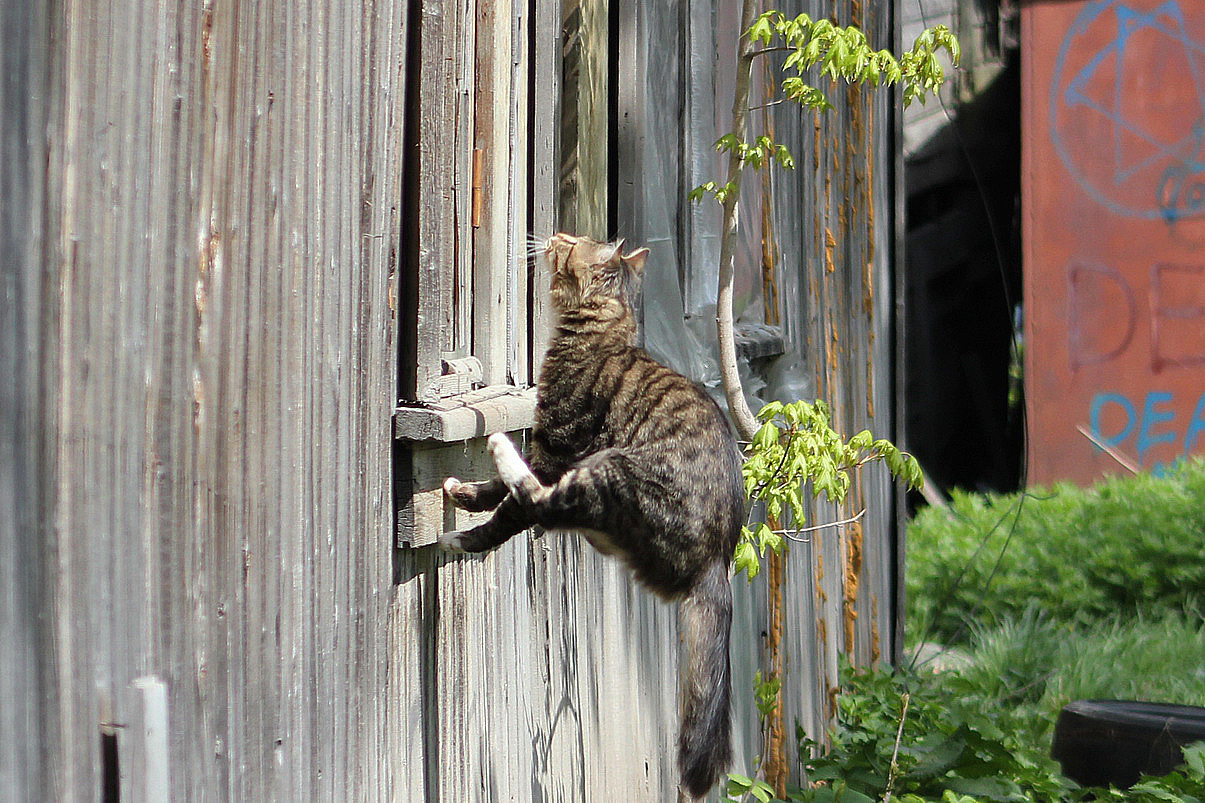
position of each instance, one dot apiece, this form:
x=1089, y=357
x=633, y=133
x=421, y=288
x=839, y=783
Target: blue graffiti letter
x=1196, y=425
x=1150, y=418
x=1098, y=403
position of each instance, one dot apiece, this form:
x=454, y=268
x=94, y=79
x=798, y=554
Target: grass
x=1035, y=660
x=1127, y=547
x=1047, y=597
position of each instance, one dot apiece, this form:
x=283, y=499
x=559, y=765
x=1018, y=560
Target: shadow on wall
x=963, y=279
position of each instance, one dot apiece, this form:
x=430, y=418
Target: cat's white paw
x=452, y=541
x=451, y=486
x=511, y=466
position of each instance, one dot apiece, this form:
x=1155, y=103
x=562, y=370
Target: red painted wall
x=1113, y=190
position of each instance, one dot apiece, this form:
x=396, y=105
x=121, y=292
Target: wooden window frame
x=482, y=170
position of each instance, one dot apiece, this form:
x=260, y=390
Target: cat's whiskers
x=536, y=245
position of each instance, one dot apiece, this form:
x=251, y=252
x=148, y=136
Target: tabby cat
x=642, y=463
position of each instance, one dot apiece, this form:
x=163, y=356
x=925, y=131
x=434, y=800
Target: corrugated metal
x=1114, y=235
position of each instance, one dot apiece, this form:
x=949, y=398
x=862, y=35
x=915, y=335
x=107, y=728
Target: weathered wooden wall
x=545, y=674
x=204, y=216
x=200, y=224
x=816, y=260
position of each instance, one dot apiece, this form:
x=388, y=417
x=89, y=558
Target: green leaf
x=811, y=53
x=770, y=410
x=1157, y=792
x=738, y=784
x=761, y=30
x=767, y=436
x=728, y=142
x=745, y=560
x=997, y=789
x=698, y=193
x=1194, y=760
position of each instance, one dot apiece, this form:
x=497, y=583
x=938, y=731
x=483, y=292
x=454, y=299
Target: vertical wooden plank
x=437, y=206
x=461, y=645
x=383, y=90
x=28, y=707
x=629, y=128
x=518, y=349
x=465, y=166
x=491, y=154
x=890, y=198
x=406, y=688
x=218, y=435
x=585, y=118
x=544, y=100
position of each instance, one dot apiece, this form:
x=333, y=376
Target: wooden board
x=202, y=224
x=207, y=376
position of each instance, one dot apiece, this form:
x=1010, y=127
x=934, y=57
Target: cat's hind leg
x=590, y=495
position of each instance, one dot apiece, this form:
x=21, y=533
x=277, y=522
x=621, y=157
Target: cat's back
x=618, y=396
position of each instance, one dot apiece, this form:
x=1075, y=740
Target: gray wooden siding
x=550, y=644
x=199, y=257
x=204, y=248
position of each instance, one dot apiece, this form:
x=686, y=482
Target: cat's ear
x=636, y=259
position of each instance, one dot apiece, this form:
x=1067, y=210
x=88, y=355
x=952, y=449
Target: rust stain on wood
x=775, y=763
x=833, y=339
x=853, y=576
x=876, y=650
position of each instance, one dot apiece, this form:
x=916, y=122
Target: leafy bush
x=960, y=743
x=1126, y=545
x=955, y=742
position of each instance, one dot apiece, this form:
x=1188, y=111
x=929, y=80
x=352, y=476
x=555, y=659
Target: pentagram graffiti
x=1128, y=119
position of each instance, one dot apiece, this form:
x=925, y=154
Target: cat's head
x=587, y=274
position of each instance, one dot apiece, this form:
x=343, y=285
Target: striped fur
x=642, y=462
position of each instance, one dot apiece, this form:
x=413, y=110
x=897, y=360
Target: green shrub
x=1081, y=555
x=956, y=741
x=961, y=742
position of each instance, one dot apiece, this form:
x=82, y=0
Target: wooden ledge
x=498, y=408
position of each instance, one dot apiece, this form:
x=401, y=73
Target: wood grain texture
x=208, y=383
x=28, y=710
x=444, y=187
x=491, y=235
x=544, y=166
x=200, y=223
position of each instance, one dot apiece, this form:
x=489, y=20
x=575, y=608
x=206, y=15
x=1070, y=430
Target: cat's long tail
x=704, y=741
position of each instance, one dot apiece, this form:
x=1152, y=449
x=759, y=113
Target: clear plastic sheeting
x=688, y=53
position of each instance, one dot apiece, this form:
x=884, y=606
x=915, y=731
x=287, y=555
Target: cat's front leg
x=475, y=496
x=514, y=471
x=509, y=519
x=515, y=513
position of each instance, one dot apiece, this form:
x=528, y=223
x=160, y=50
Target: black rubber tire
x=1113, y=742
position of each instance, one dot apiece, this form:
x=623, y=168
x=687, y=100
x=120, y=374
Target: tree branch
x=894, y=770
x=742, y=416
